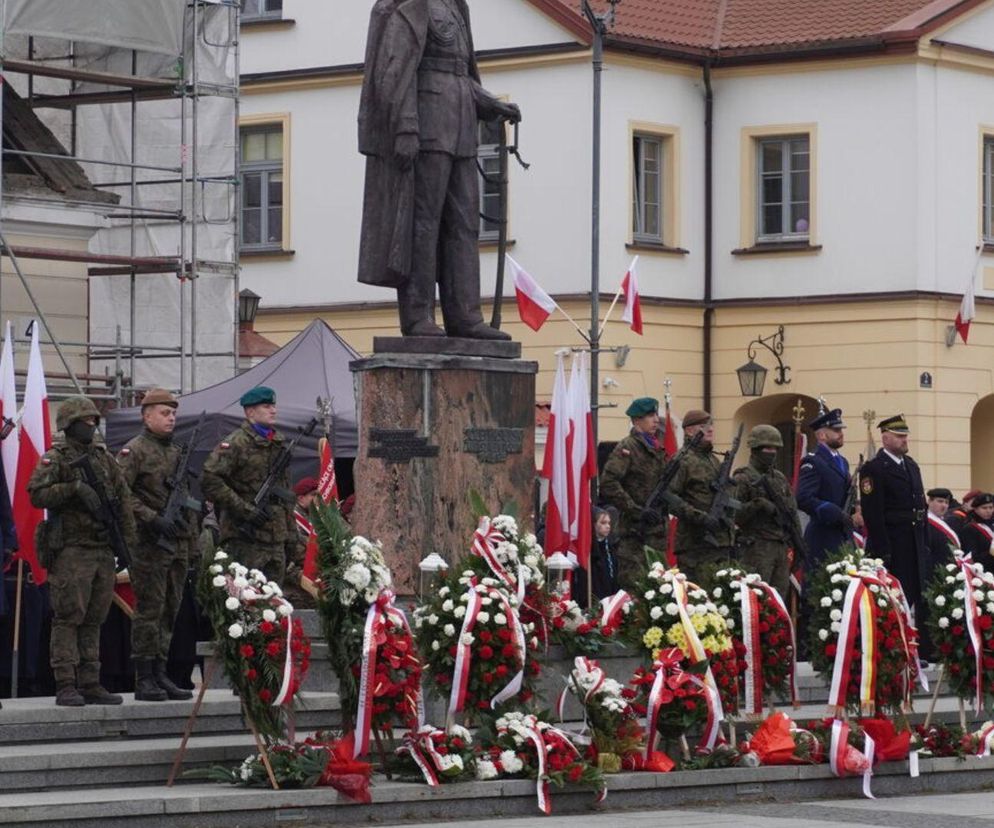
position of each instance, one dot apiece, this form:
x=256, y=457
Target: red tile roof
x=739, y=27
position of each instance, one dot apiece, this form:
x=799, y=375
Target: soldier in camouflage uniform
x=689, y=498
x=763, y=536
x=157, y=574
x=629, y=477
x=257, y=538
x=81, y=566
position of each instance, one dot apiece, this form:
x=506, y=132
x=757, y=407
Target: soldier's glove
x=258, y=518
x=765, y=507
x=165, y=528
x=650, y=517
x=90, y=499
x=711, y=524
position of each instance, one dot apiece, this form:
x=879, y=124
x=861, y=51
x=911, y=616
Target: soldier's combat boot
x=68, y=696
x=146, y=688
x=95, y=694
x=162, y=680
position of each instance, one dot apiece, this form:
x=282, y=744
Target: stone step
x=35, y=720
x=216, y=806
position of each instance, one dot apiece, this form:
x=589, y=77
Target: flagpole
x=15, y=652
x=607, y=316
x=580, y=330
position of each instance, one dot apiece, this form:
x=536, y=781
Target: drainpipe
x=708, y=230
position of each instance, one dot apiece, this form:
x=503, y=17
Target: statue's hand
x=509, y=111
x=405, y=150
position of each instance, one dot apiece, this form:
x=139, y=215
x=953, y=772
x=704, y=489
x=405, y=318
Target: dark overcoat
x=822, y=488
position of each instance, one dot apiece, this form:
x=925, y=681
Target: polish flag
x=555, y=468
x=534, y=304
x=967, y=311
x=35, y=440
x=582, y=460
x=633, y=307
x=670, y=443
x=327, y=481
x=8, y=408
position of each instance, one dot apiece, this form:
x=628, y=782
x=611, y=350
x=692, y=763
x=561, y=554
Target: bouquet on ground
x=961, y=620
x=437, y=756
x=763, y=635
x=673, y=698
x=607, y=713
x=477, y=650
x=262, y=648
x=370, y=644
x=862, y=640
x=521, y=745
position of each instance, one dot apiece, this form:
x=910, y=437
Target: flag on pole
x=670, y=443
x=35, y=440
x=582, y=460
x=633, y=306
x=327, y=491
x=800, y=449
x=8, y=409
x=967, y=309
x=534, y=304
x=555, y=467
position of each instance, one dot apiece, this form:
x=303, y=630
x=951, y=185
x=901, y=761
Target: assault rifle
x=110, y=508
x=658, y=497
x=723, y=505
x=787, y=518
x=271, y=489
x=178, y=484
x=849, y=504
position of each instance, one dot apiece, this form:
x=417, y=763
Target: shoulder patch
x=807, y=465
x=224, y=445
x=125, y=452
x=625, y=452
x=866, y=485
x=46, y=461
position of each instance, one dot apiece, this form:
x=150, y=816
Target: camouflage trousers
x=696, y=563
x=157, y=579
x=271, y=560
x=631, y=556
x=81, y=587
x=768, y=559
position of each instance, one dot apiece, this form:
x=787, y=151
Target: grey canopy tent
x=313, y=364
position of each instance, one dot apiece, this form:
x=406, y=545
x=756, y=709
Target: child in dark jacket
x=603, y=559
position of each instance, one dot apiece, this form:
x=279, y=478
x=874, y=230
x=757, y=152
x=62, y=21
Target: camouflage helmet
x=75, y=408
x=765, y=435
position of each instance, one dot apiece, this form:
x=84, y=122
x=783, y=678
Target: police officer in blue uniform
x=893, y=501
x=822, y=489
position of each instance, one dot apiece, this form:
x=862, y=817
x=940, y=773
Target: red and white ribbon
x=716, y=713
x=513, y=687
x=667, y=665
x=581, y=665
x=946, y=529
x=542, y=780
x=971, y=614
x=485, y=541
x=837, y=754
x=412, y=746
x=859, y=541
x=985, y=742
x=464, y=653
x=749, y=602
x=284, y=694
x=986, y=531
x=894, y=593
x=612, y=607
x=382, y=613
x=849, y=626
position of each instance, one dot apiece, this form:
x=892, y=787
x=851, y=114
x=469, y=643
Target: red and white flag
x=967, y=310
x=327, y=491
x=534, y=304
x=582, y=460
x=633, y=307
x=35, y=440
x=555, y=467
x=8, y=408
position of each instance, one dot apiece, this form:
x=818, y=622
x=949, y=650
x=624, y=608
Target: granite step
x=38, y=720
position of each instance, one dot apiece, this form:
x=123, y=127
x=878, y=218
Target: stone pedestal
x=439, y=418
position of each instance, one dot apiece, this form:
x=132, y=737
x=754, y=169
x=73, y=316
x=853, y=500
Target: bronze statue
x=418, y=128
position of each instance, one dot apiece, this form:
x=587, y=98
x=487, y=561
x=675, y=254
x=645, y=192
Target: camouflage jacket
x=54, y=485
x=232, y=475
x=630, y=474
x=757, y=517
x=690, y=494
x=147, y=460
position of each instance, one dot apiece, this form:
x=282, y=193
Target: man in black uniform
x=978, y=533
x=894, y=510
x=942, y=538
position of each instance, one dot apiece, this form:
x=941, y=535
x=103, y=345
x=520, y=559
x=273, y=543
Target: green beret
x=642, y=406
x=257, y=396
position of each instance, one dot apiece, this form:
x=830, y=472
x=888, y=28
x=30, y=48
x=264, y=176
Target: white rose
x=978, y=595
x=435, y=645
x=220, y=556
x=235, y=631
x=730, y=623
x=882, y=603
x=485, y=769
x=940, y=600
x=500, y=619
x=459, y=611
x=285, y=609
x=483, y=617
x=989, y=608
x=976, y=582
x=950, y=579
x=874, y=588
x=717, y=592
x=432, y=619
x=943, y=623
x=447, y=606
x=650, y=594
x=959, y=595
x=672, y=609
x=268, y=615
x=835, y=615
x=510, y=762
x=957, y=613
x=219, y=581
x=215, y=569
x=239, y=582
x=836, y=594
x=486, y=600
x=655, y=613
x=951, y=567
x=835, y=626
x=232, y=604
x=665, y=589
x=723, y=611
x=826, y=601
x=449, y=630
x=443, y=592
x=466, y=639
x=822, y=635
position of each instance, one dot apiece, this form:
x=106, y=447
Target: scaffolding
x=144, y=95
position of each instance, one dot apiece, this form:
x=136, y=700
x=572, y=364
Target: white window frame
x=640, y=233
x=259, y=10
x=265, y=169
x=764, y=234
x=488, y=157
x=987, y=181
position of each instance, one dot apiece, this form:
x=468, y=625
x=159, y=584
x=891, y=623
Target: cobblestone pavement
x=965, y=810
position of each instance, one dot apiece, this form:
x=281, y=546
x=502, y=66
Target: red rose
x=246, y=651
x=265, y=695
x=957, y=630
x=488, y=678
x=830, y=650
x=267, y=627
x=251, y=674
x=273, y=648
x=509, y=651
x=452, y=651
x=575, y=773
x=985, y=622
x=486, y=652
x=486, y=636
x=504, y=634
x=501, y=670
x=690, y=704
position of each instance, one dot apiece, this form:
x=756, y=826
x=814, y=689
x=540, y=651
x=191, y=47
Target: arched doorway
x=982, y=445
x=778, y=410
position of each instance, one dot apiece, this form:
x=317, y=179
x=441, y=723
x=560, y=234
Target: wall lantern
x=248, y=306
x=752, y=375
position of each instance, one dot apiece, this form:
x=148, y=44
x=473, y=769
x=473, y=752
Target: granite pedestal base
x=434, y=427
